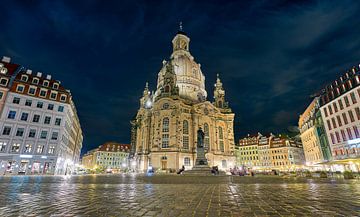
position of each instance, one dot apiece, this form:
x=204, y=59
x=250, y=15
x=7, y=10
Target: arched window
x=221, y=139
x=185, y=134
x=186, y=161
x=165, y=133
x=206, y=136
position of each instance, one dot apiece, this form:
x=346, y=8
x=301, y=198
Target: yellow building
x=286, y=153
x=313, y=136
x=265, y=153
x=165, y=128
x=111, y=155
x=248, y=155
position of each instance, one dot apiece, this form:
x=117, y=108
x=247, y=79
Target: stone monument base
x=201, y=170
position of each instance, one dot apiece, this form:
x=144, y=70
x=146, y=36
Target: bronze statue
x=200, y=138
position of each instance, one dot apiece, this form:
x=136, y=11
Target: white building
x=40, y=131
x=340, y=110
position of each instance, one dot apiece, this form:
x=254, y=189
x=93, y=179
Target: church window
x=206, y=136
x=165, y=134
x=165, y=127
x=186, y=161
x=185, y=134
x=186, y=142
x=221, y=135
x=221, y=141
x=165, y=141
x=167, y=89
x=185, y=127
x=165, y=106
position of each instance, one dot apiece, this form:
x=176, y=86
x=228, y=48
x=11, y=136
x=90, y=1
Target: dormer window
x=24, y=78
x=20, y=88
x=55, y=85
x=43, y=92
x=53, y=95
x=4, y=81
x=63, y=98
x=3, y=70
x=46, y=83
x=32, y=90
x=35, y=81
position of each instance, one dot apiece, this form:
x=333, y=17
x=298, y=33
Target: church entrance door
x=164, y=164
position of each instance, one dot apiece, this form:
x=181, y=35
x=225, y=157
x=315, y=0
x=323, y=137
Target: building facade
x=164, y=130
x=313, y=137
x=265, y=153
x=286, y=153
x=340, y=110
x=108, y=156
x=247, y=151
x=40, y=130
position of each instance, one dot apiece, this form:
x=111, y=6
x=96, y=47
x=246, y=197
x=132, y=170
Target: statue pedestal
x=201, y=166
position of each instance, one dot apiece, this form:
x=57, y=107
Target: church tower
x=219, y=95
x=181, y=41
x=146, y=99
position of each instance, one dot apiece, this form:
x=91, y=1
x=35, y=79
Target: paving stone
x=177, y=196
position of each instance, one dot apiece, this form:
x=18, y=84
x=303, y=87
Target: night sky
x=271, y=55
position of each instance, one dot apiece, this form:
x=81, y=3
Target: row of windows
x=343, y=120
x=165, y=135
x=346, y=151
x=336, y=106
x=335, y=138
x=42, y=93
x=27, y=148
x=36, y=118
x=36, y=81
x=249, y=158
x=39, y=104
x=20, y=132
x=112, y=154
x=333, y=92
x=247, y=153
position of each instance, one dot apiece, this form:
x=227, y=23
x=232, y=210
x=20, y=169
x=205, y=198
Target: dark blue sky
x=272, y=55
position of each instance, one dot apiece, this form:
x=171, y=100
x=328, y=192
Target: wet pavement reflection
x=170, y=195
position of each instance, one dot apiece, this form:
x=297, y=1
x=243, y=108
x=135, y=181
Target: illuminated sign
x=25, y=156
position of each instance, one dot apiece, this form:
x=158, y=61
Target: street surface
x=176, y=195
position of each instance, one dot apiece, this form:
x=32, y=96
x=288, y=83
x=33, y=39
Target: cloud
x=271, y=54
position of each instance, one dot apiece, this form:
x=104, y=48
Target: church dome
x=189, y=78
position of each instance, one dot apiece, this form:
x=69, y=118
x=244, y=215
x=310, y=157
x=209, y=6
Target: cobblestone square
x=170, y=195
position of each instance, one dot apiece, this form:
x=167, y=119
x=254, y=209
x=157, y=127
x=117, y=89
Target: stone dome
x=189, y=78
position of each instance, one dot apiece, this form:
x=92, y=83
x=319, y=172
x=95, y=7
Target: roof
x=114, y=147
x=11, y=67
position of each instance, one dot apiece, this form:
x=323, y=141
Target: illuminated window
x=28, y=148
x=15, y=148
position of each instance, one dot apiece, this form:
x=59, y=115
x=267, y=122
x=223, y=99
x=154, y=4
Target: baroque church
x=164, y=130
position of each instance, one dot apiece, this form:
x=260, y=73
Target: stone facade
x=164, y=130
